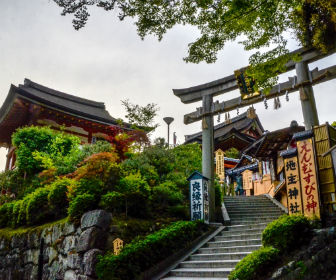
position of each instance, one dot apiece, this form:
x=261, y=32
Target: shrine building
x=34, y=104
x=238, y=132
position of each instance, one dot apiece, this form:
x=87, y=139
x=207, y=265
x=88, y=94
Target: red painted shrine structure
x=35, y=104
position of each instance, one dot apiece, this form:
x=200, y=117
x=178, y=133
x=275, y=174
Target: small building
x=266, y=175
x=238, y=132
x=34, y=104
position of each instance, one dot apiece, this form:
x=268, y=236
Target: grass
x=8, y=233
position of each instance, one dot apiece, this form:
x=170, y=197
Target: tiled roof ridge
x=67, y=96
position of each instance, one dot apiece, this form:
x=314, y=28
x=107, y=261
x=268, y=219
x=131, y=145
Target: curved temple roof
x=15, y=113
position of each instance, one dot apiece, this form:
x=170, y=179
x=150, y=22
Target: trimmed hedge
x=255, y=264
x=287, y=232
x=81, y=204
x=140, y=255
x=42, y=205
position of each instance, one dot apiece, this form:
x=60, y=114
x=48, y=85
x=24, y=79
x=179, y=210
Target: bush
x=38, y=210
x=86, y=186
x=103, y=166
x=166, y=195
x=287, y=232
x=140, y=255
x=113, y=202
x=6, y=211
x=254, y=264
x=179, y=211
x=41, y=146
x=57, y=197
x=81, y=204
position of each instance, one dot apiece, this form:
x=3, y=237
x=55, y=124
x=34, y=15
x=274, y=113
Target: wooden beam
x=229, y=83
x=317, y=76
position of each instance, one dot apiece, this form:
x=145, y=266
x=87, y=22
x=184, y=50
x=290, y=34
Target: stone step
x=233, y=249
x=201, y=272
x=242, y=232
x=235, y=242
x=219, y=256
x=247, y=222
x=261, y=209
x=194, y=278
x=245, y=204
x=254, y=215
x=244, y=227
x=253, y=218
x=255, y=211
x=238, y=236
x=209, y=264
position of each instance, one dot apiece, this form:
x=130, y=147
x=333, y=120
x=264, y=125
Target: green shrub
x=179, y=211
x=57, y=197
x=137, y=205
x=113, y=202
x=6, y=211
x=38, y=210
x=254, y=264
x=166, y=195
x=81, y=204
x=287, y=232
x=17, y=205
x=218, y=194
x=140, y=255
x=42, y=147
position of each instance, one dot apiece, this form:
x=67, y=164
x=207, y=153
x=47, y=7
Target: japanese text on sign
x=310, y=196
x=118, y=244
x=293, y=186
x=196, y=200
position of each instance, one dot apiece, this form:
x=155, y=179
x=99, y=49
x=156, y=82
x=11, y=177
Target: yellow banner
x=293, y=186
x=309, y=184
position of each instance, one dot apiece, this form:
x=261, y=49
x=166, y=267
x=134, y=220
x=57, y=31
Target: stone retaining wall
x=69, y=253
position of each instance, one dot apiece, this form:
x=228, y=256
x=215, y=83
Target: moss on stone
x=8, y=233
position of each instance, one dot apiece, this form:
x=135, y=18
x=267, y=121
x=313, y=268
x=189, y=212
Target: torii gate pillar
x=307, y=98
x=208, y=151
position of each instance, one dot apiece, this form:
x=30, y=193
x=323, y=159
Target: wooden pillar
x=8, y=159
x=306, y=96
x=208, y=151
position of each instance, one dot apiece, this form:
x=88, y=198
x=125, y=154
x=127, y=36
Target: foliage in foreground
x=140, y=255
x=287, y=232
x=255, y=264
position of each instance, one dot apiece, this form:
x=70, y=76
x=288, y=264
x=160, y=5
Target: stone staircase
x=215, y=260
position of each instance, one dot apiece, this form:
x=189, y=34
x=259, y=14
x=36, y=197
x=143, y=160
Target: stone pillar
x=306, y=96
x=208, y=151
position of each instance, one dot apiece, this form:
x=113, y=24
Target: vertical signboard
x=206, y=201
x=309, y=184
x=196, y=199
x=199, y=197
x=293, y=185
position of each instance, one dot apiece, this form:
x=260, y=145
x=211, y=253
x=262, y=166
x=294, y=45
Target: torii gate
x=303, y=81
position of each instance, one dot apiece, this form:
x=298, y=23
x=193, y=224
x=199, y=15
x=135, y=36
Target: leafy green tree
x=41, y=148
x=257, y=23
x=141, y=116
x=232, y=153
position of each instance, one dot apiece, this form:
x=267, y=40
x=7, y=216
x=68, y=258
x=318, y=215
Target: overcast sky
x=107, y=61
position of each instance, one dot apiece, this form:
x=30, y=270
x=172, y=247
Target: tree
x=141, y=116
x=259, y=23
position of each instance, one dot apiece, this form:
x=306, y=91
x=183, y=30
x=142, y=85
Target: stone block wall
x=69, y=252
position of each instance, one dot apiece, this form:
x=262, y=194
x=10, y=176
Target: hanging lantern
x=218, y=118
